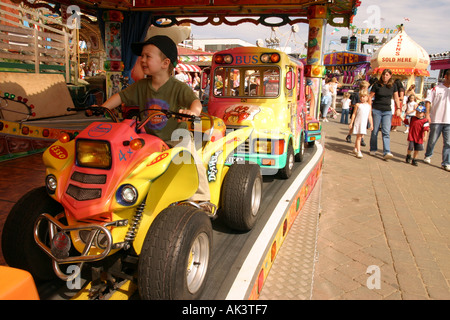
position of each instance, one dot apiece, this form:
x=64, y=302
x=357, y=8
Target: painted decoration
x=315, y=41
x=291, y=214
x=113, y=84
x=113, y=41
x=345, y=58
x=18, y=139
x=312, y=90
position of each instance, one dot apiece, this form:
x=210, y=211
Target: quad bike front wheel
x=174, y=260
x=18, y=245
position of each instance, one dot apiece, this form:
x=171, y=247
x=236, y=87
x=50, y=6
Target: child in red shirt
x=418, y=133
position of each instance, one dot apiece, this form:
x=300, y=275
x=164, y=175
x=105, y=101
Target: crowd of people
x=192, y=80
x=384, y=105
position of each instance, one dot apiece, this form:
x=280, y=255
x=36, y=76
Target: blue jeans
x=325, y=106
x=385, y=119
x=435, y=131
x=344, y=116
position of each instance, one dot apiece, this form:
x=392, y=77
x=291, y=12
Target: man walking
x=438, y=113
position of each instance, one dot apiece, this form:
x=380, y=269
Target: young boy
x=159, y=89
x=418, y=132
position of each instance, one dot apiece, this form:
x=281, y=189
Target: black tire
x=241, y=196
x=18, y=245
x=300, y=155
x=167, y=268
x=286, y=172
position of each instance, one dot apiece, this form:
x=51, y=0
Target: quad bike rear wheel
x=241, y=196
x=18, y=245
x=174, y=260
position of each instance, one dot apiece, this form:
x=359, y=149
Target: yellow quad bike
x=115, y=204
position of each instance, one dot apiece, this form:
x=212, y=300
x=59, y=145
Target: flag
x=334, y=31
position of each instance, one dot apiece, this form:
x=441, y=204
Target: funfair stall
x=407, y=60
x=440, y=61
x=347, y=67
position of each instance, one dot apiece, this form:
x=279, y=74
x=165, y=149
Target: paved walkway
x=383, y=232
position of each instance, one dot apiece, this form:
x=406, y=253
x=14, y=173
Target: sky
x=427, y=22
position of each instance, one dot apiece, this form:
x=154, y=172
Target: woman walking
x=334, y=85
x=326, y=100
x=382, y=92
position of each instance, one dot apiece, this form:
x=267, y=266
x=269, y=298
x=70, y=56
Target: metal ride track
x=231, y=249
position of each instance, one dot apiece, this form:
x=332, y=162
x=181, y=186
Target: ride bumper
x=98, y=241
x=269, y=164
x=313, y=132
x=266, y=150
x=312, y=136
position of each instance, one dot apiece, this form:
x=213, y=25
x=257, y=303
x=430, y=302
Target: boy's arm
x=194, y=109
x=113, y=102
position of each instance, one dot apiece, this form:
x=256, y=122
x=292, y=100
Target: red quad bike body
x=116, y=199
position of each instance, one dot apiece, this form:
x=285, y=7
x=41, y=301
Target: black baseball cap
x=163, y=43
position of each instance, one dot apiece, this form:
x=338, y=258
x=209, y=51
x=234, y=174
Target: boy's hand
x=187, y=112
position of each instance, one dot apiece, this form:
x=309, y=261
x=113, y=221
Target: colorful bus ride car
x=264, y=89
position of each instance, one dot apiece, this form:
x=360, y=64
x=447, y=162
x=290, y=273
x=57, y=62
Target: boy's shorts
x=415, y=146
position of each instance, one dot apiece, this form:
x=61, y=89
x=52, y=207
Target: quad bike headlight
x=51, y=183
x=93, y=154
x=127, y=195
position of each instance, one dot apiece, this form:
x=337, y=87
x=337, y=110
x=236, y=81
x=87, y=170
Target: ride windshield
x=244, y=82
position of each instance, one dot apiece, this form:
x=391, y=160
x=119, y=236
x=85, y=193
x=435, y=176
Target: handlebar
x=99, y=110
x=95, y=110
x=169, y=114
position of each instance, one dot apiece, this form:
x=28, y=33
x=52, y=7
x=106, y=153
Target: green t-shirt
x=173, y=95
